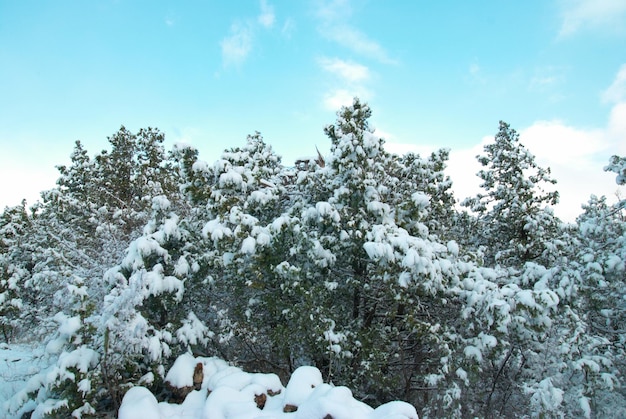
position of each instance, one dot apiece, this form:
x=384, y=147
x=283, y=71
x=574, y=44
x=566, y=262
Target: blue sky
x=436, y=74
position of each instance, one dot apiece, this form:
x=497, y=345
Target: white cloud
x=546, y=78
x=605, y=15
x=337, y=98
x=348, y=71
x=267, y=17
x=404, y=148
x=237, y=46
x=474, y=69
x=462, y=169
x=357, y=41
x=617, y=90
x=387, y=136
x=288, y=27
x=25, y=183
x=575, y=155
x=395, y=147
x=563, y=145
x=352, y=78
x=332, y=10
x=27, y=167
x=616, y=131
x=334, y=16
x=349, y=83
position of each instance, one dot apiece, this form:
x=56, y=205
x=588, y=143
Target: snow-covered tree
x=370, y=256
x=516, y=223
x=356, y=263
x=433, y=202
x=245, y=197
x=15, y=263
x=600, y=269
x=617, y=165
x=145, y=321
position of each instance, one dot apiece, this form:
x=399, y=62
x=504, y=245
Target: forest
x=358, y=262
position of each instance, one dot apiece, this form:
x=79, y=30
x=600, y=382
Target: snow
x=68, y=325
x=139, y=402
x=193, y=331
x=81, y=358
x=231, y=178
x=18, y=364
x=301, y=384
x=216, y=230
x=473, y=352
x=420, y=199
x=394, y=410
x=415, y=281
x=248, y=246
x=181, y=373
x=453, y=248
x=228, y=392
x=547, y=396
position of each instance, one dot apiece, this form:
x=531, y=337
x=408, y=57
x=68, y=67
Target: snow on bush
x=227, y=392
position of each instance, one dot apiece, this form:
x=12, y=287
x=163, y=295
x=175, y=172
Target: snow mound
x=139, y=403
x=227, y=392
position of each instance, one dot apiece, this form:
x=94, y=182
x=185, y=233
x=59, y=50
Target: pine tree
x=379, y=268
x=599, y=266
x=80, y=230
x=516, y=224
x=15, y=264
x=617, y=165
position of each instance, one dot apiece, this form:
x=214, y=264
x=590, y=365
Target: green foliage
x=515, y=224
x=357, y=263
x=617, y=165
x=15, y=262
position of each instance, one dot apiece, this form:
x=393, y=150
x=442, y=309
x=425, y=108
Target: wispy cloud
x=540, y=82
x=575, y=154
x=350, y=80
x=349, y=71
x=267, y=17
x=475, y=73
x=549, y=82
x=604, y=15
x=288, y=27
x=336, y=98
x=616, y=92
x=237, y=46
x=474, y=69
x=351, y=38
x=334, y=25
x=333, y=10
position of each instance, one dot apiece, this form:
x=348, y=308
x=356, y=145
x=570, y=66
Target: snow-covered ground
x=19, y=362
x=210, y=388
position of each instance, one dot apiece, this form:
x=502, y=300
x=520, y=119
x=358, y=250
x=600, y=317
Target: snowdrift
x=210, y=388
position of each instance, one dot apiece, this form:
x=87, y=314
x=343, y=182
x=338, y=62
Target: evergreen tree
x=80, y=230
x=380, y=268
x=617, y=165
x=516, y=224
x=357, y=263
x=599, y=266
x=15, y=265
